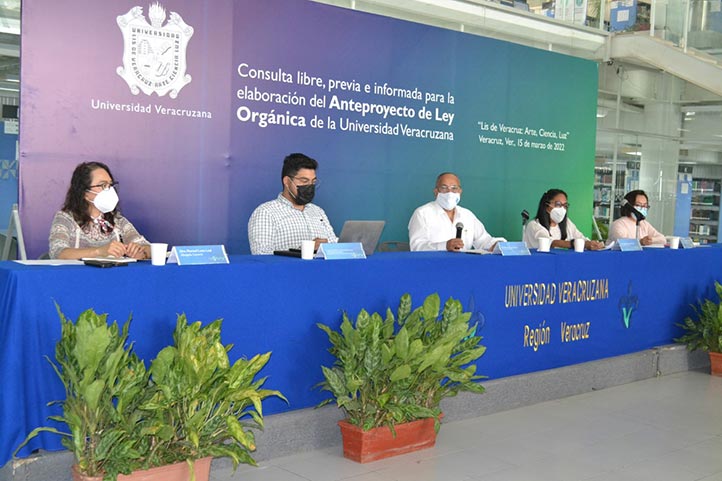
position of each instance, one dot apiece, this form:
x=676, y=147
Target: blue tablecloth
x=273, y=304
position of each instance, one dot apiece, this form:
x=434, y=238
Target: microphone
x=524, y=217
x=459, y=228
x=638, y=215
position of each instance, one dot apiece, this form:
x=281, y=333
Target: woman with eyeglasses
x=552, y=222
x=89, y=224
x=633, y=210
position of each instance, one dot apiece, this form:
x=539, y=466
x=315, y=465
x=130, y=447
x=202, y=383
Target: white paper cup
x=157, y=253
x=578, y=245
x=545, y=243
x=307, y=249
x=674, y=242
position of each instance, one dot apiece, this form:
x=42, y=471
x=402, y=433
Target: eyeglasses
x=641, y=206
x=306, y=181
x=104, y=185
x=443, y=188
x=560, y=204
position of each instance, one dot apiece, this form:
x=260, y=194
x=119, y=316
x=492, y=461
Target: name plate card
x=198, y=255
x=512, y=249
x=686, y=243
x=627, y=245
x=341, y=250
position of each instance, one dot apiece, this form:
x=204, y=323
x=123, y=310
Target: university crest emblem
x=154, y=57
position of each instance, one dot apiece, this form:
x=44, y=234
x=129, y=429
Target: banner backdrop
x=194, y=105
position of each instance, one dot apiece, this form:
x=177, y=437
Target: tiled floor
x=669, y=428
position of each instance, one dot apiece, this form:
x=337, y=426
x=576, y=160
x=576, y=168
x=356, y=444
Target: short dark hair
x=295, y=162
x=542, y=216
x=75, y=202
x=631, y=197
x=438, y=178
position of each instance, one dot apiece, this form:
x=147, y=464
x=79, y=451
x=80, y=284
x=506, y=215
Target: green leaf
x=334, y=380
x=236, y=431
x=469, y=355
x=91, y=342
x=430, y=309
x=387, y=354
x=346, y=328
x=401, y=343
x=161, y=366
x=388, y=329
x=401, y=372
x=438, y=353
x=404, y=309
x=34, y=433
x=416, y=348
x=372, y=361
x=92, y=392
x=363, y=320
x=166, y=432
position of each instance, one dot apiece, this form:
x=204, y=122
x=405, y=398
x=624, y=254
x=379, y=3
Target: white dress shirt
x=430, y=229
x=626, y=228
x=534, y=230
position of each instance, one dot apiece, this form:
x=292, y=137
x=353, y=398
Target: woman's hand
x=593, y=245
x=136, y=251
x=113, y=249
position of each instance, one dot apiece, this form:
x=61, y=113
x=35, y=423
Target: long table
x=535, y=312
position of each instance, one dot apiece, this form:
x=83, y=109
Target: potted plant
x=197, y=399
x=104, y=383
x=390, y=374
x=126, y=422
x=706, y=331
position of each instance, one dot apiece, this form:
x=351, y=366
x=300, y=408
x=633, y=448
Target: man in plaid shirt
x=290, y=218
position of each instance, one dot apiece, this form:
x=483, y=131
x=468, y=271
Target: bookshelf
x=705, y=213
x=607, y=198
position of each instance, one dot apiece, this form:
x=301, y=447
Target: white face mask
x=448, y=200
x=558, y=214
x=106, y=200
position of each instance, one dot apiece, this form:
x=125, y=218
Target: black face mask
x=304, y=194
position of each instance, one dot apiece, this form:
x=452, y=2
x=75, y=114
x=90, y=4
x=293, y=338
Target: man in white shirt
x=434, y=226
x=290, y=218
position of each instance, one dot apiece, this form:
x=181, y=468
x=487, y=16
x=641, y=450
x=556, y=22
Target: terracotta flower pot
x=715, y=363
x=378, y=443
x=170, y=472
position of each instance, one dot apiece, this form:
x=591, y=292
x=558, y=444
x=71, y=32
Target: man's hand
x=454, y=244
x=319, y=241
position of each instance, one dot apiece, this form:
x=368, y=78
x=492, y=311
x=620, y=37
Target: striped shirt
x=278, y=225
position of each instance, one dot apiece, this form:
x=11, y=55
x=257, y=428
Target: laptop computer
x=367, y=232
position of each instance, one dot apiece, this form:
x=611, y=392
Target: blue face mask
x=642, y=210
